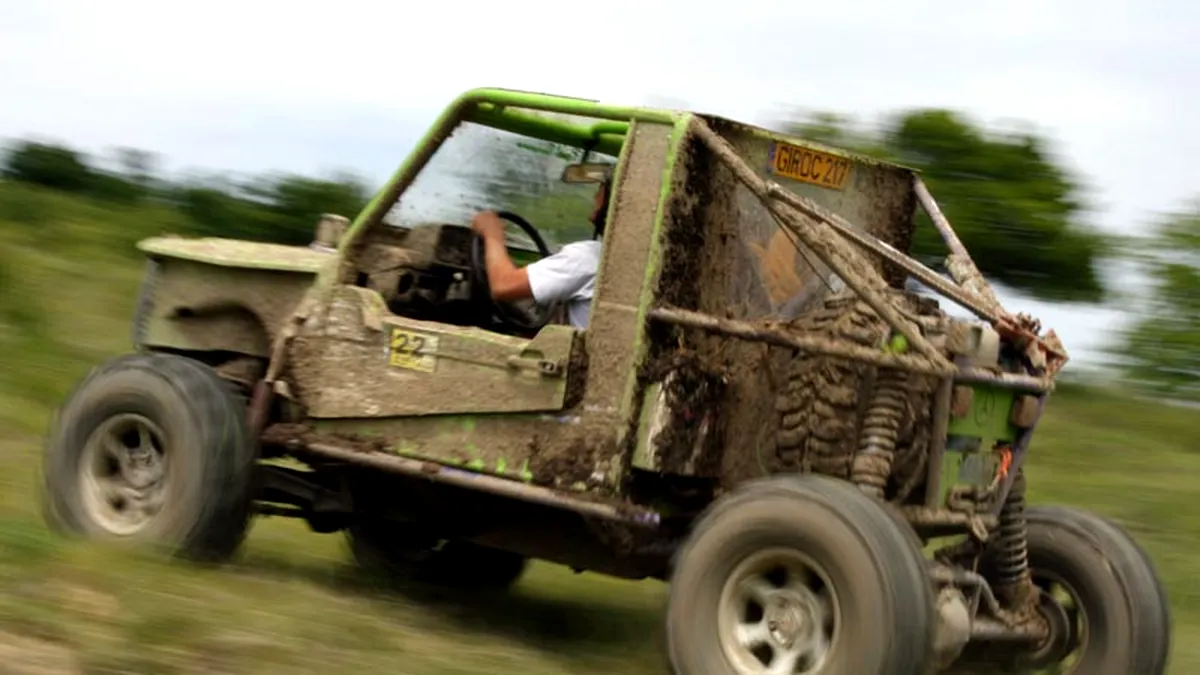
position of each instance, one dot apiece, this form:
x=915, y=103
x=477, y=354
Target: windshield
x=479, y=168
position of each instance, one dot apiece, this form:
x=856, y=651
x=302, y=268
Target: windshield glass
x=479, y=168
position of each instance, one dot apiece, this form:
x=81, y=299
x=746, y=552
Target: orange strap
x=1005, y=461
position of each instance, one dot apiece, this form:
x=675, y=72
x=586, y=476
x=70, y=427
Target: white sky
x=258, y=84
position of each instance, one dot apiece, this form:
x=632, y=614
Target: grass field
x=291, y=603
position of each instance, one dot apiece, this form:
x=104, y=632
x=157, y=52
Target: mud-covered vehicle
x=826, y=467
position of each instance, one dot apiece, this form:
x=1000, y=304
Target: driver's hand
x=488, y=225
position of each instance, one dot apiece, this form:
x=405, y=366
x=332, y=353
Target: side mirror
x=587, y=172
x=330, y=229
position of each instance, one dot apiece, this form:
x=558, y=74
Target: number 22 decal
x=412, y=351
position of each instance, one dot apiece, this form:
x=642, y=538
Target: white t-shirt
x=568, y=276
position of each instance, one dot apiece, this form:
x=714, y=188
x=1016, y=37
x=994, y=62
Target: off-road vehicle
x=769, y=409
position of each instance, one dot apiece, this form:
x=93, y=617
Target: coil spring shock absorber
x=881, y=427
x=1013, y=579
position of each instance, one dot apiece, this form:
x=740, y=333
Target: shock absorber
x=1013, y=579
x=881, y=427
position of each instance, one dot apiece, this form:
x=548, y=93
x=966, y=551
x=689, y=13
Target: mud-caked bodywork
x=756, y=354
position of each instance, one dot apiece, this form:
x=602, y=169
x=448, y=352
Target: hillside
x=68, y=273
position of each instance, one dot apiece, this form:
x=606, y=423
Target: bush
x=279, y=209
x=49, y=165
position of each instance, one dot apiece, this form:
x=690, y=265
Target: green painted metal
x=449, y=439
x=567, y=105
x=654, y=263
x=478, y=464
x=988, y=418
x=606, y=137
x=971, y=465
x=970, y=457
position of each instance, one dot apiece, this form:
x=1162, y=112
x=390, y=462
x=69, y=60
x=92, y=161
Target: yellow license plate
x=809, y=166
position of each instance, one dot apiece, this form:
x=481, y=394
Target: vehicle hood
x=237, y=253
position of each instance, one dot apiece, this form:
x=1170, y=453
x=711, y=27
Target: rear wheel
x=799, y=575
x=395, y=554
x=152, y=448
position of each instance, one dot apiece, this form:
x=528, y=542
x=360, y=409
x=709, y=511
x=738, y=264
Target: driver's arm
x=507, y=281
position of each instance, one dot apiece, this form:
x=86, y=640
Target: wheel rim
x=122, y=473
x=778, y=615
x=1060, y=603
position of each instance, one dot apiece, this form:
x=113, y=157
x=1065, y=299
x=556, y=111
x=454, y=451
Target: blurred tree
x=63, y=168
x=51, y=165
x=113, y=187
x=214, y=212
x=1161, y=350
x=1011, y=204
x=838, y=131
x=282, y=208
x=138, y=167
x=303, y=200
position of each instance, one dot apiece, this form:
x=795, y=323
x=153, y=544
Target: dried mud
x=709, y=266
x=563, y=469
x=592, y=445
x=577, y=373
x=723, y=256
x=694, y=392
x=286, y=435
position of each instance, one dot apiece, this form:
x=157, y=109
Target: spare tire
x=821, y=410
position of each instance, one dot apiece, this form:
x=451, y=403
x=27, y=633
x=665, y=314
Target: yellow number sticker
x=809, y=166
x=413, y=351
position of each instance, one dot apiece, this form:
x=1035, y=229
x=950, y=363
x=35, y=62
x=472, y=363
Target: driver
x=568, y=276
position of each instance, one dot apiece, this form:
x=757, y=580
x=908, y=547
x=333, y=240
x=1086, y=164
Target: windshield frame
x=511, y=111
x=482, y=166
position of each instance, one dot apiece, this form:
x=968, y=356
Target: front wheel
x=152, y=448
x=799, y=575
x=1106, y=607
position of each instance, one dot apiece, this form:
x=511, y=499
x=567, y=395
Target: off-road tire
x=210, y=459
x=1121, y=596
x=885, y=615
x=822, y=408
x=392, y=554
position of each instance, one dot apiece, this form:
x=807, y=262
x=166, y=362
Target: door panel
x=358, y=360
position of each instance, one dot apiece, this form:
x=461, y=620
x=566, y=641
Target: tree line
x=281, y=208
x=1017, y=209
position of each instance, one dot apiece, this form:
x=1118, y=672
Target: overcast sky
x=255, y=84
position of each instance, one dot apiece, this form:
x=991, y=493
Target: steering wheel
x=524, y=316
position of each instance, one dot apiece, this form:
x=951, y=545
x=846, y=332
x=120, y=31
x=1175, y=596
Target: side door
x=353, y=358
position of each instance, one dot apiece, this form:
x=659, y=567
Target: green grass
x=292, y=602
